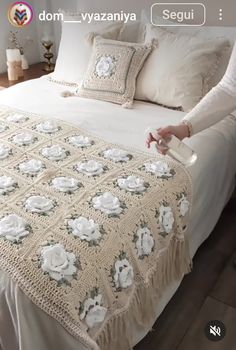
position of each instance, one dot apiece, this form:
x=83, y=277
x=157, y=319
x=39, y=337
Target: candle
x=13, y=55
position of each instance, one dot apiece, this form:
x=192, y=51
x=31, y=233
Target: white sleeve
x=218, y=103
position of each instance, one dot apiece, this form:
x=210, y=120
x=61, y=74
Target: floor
x=207, y=293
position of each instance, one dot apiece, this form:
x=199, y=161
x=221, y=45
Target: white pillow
x=75, y=48
x=227, y=33
x=132, y=32
x=177, y=73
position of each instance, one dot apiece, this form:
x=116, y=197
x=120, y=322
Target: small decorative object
x=48, y=67
x=21, y=46
x=14, y=64
x=19, y=69
x=24, y=62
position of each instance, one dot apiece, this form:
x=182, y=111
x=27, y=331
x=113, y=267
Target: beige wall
x=36, y=29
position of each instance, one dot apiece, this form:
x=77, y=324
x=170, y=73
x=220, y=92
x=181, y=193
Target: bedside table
x=34, y=71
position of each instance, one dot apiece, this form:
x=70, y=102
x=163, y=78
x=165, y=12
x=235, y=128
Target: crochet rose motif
x=160, y=169
x=117, y=155
x=122, y=273
x=48, y=127
x=108, y=204
x=14, y=228
x=3, y=128
x=80, y=141
x=39, y=205
x=5, y=151
x=59, y=264
x=65, y=184
x=105, y=67
x=24, y=139
x=132, y=184
x=17, y=118
x=54, y=153
x=165, y=218
x=144, y=242
x=90, y=168
x=31, y=167
x=183, y=204
x=86, y=229
x=7, y=185
x=91, y=310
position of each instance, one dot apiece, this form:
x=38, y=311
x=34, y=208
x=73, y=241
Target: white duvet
x=213, y=180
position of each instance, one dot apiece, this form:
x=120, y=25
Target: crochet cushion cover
x=112, y=70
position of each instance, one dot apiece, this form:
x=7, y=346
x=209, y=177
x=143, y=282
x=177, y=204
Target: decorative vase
x=24, y=62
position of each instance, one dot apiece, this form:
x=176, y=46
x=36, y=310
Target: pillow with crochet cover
x=179, y=72
x=112, y=71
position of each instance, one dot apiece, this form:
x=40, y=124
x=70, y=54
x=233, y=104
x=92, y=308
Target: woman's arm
x=215, y=106
x=218, y=103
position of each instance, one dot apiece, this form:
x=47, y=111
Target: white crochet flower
x=184, y=205
x=90, y=168
x=4, y=151
x=105, y=66
x=2, y=128
x=47, y=127
x=132, y=184
x=7, y=184
x=93, y=311
x=107, y=203
x=85, y=229
x=145, y=241
x=23, y=139
x=39, y=204
x=117, y=155
x=80, y=141
x=65, y=184
x=58, y=263
x=166, y=218
x=31, y=167
x=13, y=227
x=54, y=152
x=17, y=118
x=158, y=168
x=124, y=274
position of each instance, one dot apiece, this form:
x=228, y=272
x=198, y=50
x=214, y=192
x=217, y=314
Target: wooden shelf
x=34, y=71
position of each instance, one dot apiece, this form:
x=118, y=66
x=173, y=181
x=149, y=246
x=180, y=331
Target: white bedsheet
x=213, y=174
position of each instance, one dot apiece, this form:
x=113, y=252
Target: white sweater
x=218, y=103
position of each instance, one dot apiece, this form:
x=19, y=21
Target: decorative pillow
x=112, y=71
x=178, y=72
x=205, y=32
x=75, y=48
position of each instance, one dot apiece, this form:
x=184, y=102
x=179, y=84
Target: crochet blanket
x=91, y=232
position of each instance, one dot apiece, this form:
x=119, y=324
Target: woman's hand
x=180, y=131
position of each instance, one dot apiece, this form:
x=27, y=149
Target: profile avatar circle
x=20, y=14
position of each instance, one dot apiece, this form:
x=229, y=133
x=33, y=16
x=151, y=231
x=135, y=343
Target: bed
x=213, y=176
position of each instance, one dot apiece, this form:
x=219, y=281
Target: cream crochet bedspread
x=91, y=232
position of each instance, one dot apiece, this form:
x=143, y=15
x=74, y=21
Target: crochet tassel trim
x=172, y=265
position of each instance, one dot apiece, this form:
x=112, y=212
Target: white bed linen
x=213, y=180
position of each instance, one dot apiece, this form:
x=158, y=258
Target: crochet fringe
x=116, y=333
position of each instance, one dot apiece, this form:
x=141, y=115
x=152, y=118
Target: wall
x=37, y=30
x=33, y=51
x=213, y=6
